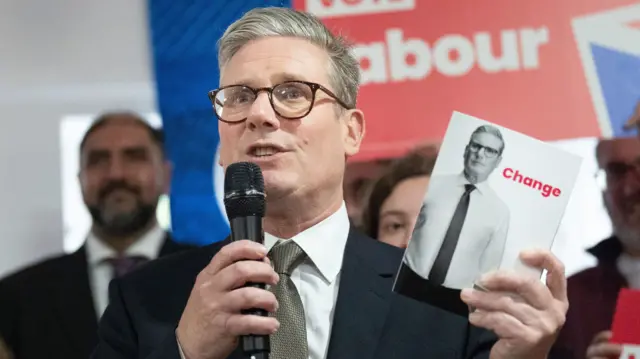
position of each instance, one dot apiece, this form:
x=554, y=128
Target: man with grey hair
x=466, y=223
x=287, y=102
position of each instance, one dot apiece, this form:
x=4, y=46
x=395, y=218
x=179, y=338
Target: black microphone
x=244, y=200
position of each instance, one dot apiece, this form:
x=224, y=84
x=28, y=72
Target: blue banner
x=619, y=75
x=183, y=42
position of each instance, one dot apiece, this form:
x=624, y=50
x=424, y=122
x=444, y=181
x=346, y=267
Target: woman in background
x=396, y=197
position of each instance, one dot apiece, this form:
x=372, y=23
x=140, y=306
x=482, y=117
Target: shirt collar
x=323, y=243
x=481, y=187
x=147, y=246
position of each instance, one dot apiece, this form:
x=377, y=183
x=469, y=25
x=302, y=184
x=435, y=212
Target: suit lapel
x=73, y=298
x=74, y=302
x=366, y=282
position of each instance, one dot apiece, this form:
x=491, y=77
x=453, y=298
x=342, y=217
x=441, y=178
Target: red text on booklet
x=545, y=189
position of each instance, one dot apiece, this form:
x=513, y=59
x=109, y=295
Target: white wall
x=58, y=57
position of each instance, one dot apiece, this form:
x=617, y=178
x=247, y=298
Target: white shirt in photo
x=482, y=240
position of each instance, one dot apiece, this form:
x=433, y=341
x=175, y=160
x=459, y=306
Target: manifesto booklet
x=626, y=323
x=493, y=193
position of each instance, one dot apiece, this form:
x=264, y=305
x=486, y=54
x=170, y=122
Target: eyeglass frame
x=256, y=91
x=482, y=147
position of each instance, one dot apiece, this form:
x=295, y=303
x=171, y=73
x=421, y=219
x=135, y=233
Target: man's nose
x=116, y=169
x=261, y=114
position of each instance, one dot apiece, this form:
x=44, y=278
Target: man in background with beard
x=593, y=292
x=51, y=309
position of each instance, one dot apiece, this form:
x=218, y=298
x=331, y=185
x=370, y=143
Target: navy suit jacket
x=370, y=321
x=47, y=311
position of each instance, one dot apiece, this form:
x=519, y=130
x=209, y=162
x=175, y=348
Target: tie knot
x=125, y=264
x=285, y=256
x=468, y=188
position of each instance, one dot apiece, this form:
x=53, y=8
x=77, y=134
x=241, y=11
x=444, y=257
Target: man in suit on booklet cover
x=463, y=225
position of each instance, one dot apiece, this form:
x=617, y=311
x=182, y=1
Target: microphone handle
x=253, y=346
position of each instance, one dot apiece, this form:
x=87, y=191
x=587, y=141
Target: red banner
x=515, y=63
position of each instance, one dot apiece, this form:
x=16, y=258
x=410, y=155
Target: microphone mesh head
x=244, y=190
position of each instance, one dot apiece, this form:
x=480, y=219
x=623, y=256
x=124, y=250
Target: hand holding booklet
x=493, y=193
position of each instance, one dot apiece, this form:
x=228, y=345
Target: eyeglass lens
x=289, y=99
x=489, y=152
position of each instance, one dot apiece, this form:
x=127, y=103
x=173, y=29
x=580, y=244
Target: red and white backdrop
x=551, y=69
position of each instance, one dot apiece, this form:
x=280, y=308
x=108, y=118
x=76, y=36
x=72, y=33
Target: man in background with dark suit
x=51, y=309
x=287, y=102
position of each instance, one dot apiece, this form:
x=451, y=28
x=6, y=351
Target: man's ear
x=354, y=131
x=167, y=174
x=605, y=201
x=80, y=178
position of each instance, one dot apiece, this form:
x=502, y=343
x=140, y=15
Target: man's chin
x=124, y=227
x=278, y=192
x=279, y=186
x=633, y=216
x=124, y=223
x=477, y=170
x=629, y=236
x=631, y=244
x=118, y=210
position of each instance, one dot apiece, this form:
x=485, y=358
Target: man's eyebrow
x=286, y=76
x=276, y=78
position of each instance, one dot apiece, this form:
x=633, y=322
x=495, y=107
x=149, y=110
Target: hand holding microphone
x=225, y=302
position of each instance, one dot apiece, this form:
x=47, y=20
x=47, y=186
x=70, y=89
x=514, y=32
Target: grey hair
x=493, y=130
x=344, y=72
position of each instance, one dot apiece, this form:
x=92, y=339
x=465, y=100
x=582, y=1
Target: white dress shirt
x=101, y=272
x=629, y=267
x=482, y=240
x=317, y=278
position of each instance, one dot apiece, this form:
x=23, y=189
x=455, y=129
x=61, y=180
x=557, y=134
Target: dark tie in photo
x=290, y=341
x=125, y=264
x=443, y=260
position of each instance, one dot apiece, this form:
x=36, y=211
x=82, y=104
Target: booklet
x=626, y=323
x=493, y=193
